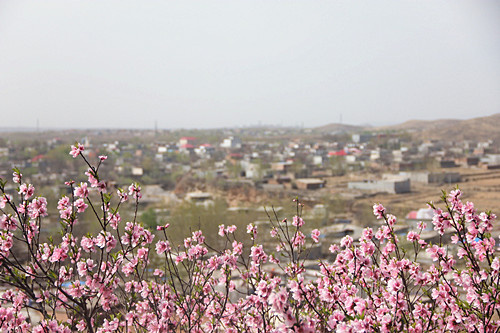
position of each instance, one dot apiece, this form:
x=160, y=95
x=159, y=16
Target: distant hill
x=481, y=129
x=338, y=128
x=476, y=129
x=422, y=125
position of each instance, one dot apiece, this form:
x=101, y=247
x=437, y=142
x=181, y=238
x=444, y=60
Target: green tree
x=150, y=219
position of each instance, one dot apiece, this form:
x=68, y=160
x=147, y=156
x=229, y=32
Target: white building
x=232, y=143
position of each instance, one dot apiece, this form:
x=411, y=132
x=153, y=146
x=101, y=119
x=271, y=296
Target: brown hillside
x=338, y=128
x=422, y=125
x=476, y=129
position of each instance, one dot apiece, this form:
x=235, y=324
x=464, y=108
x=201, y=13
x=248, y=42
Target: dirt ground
x=482, y=187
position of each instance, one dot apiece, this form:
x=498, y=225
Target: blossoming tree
x=126, y=278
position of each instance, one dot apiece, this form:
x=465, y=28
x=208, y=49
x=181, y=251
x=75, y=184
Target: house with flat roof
x=310, y=183
x=394, y=186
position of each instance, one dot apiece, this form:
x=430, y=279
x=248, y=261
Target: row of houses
x=288, y=162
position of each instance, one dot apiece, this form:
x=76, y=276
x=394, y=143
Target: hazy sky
x=200, y=64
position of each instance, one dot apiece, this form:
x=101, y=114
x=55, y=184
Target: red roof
x=337, y=153
x=354, y=150
x=235, y=155
x=412, y=215
x=37, y=158
x=187, y=146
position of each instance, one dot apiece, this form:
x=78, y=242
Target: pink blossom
x=454, y=196
x=26, y=190
x=105, y=239
x=84, y=267
x=80, y=205
x=162, y=246
x=92, y=178
x=383, y=233
x=222, y=230
x=159, y=272
x=196, y=252
x=76, y=150
x=16, y=177
x=422, y=243
x=436, y=252
x=123, y=195
x=412, y=236
x=65, y=213
x=237, y=247
x=37, y=208
x=129, y=267
x=180, y=258
x=258, y=255
x=162, y=227
x=368, y=248
x=142, y=253
x=368, y=233
x=297, y=221
x=5, y=243
x=252, y=230
x=422, y=225
x=135, y=191
x=114, y=220
x=346, y=241
x=264, y=289
x=378, y=211
x=81, y=326
x=299, y=239
x=8, y=222
x=63, y=203
x=87, y=244
x=59, y=254
x=391, y=220
x=371, y=283
x=495, y=265
x=389, y=248
x=315, y=235
x=4, y=200
x=333, y=248
x=101, y=187
x=394, y=285
x=82, y=191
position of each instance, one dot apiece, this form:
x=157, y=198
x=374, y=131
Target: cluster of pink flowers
x=127, y=278
x=76, y=150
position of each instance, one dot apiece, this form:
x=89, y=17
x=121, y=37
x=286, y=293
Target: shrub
x=127, y=278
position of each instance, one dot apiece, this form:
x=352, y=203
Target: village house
x=309, y=183
x=393, y=186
